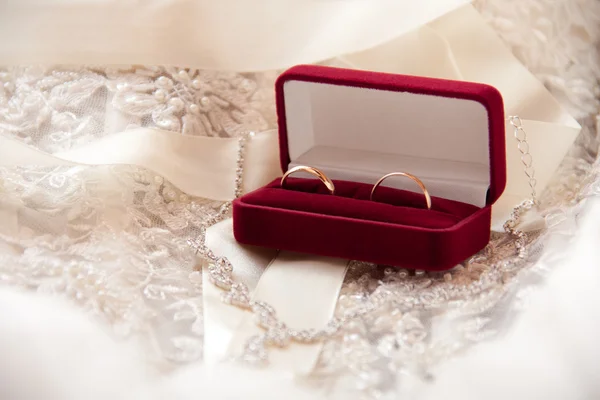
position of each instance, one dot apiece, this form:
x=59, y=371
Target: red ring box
x=357, y=126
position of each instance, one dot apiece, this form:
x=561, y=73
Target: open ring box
x=357, y=126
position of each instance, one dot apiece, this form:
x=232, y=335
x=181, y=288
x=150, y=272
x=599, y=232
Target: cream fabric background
x=222, y=35
x=111, y=239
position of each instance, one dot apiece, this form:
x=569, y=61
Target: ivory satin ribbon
x=220, y=320
x=302, y=288
x=200, y=166
x=222, y=35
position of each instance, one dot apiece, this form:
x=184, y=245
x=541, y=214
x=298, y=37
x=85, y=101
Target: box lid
x=359, y=125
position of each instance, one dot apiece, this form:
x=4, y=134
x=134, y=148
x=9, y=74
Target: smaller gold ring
x=313, y=171
x=414, y=178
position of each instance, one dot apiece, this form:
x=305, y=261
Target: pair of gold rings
x=331, y=187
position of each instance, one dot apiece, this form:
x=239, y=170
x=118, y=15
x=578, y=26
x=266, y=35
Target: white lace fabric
x=113, y=238
x=59, y=108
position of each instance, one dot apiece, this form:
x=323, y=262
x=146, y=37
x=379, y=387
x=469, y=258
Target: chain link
x=523, y=146
x=276, y=333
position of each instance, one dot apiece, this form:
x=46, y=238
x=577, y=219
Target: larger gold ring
x=414, y=178
x=313, y=171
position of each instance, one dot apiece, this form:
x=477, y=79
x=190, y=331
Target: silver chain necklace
x=276, y=332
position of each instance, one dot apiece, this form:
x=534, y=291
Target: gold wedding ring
x=414, y=178
x=313, y=171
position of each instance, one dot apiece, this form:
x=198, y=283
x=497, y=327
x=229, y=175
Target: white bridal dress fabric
x=107, y=169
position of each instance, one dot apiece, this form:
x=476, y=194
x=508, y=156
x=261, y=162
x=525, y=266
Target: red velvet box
x=357, y=126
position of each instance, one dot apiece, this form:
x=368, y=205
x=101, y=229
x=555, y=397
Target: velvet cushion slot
x=351, y=200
